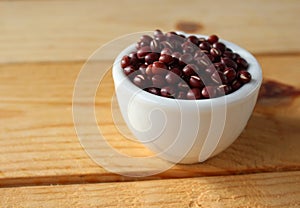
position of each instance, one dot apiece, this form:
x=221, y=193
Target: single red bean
x=186, y=58
x=236, y=85
x=160, y=38
x=158, y=81
x=149, y=70
x=242, y=63
x=140, y=80
x=155, y=46
x=167, y=51
x=209, y=92
x=128, y=70
x=223, y=89
x=159, y=68
x=215, y=52
x=219, y=66
x=193, y=39
x=230, y=74
x=172, y=78
x=168, y=91
x=228, y=54
x=157, y=32
x=146, y=39
x=176, y=56
x=229, y=62
x=151, y=57
x=193, y=94
x=165, y=58
x=220, y=46
x=141, y=44
x=236, y=56
x=205, y=46
x=213, y=39
x=244, y=76
x=189, y=70
x=142, y=52
x=176, y=71
x=133, y=58
x=219, y=78
x=196, y=81
x=125, y=61
x=153, y=90
x=142, y=69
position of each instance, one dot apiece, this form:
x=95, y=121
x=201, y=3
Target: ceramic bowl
x=186, y=131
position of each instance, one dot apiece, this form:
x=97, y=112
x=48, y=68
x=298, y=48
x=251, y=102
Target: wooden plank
x=63, y=30
x=38, y=142
x=255, y=190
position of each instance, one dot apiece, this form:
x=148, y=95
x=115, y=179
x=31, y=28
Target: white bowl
x=186, y=131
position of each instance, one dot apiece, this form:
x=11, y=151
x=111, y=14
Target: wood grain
x=38, y=142
x=66, y=30
x=43, y=46
x=255, y=190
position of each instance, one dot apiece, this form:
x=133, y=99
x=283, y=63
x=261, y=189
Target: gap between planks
x=255, y=190
x=257, y=158
x=111, y=177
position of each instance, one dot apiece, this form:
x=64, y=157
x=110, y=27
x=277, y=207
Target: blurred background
x=69, y=30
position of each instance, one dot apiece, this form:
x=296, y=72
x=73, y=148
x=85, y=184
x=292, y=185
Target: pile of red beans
x=175, y=66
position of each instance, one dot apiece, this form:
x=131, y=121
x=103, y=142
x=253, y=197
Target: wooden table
x=44, y=44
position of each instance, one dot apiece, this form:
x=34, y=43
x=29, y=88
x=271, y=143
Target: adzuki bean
x=209, y=92
x=168, y=91
x=213, y=39
x=193, y=94
x=172, y=78
x=158, y=81
x=159, y=68
x=139, y=80
x=153, y=90
x=175, y=66
x=151, y=57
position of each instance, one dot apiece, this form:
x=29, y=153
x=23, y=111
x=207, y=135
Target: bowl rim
x=241, y=94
